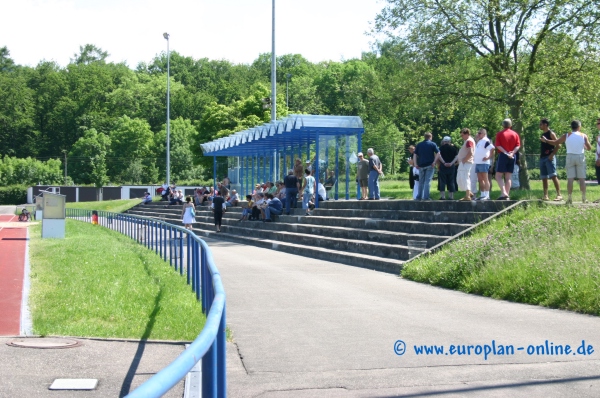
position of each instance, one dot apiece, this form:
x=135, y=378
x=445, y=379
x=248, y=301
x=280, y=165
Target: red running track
x=13, y=243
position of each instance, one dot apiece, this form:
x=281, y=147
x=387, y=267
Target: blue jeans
x=290, y=198
x=373, y=184
x=547, y=167
x=271, y=210
x=306, y=197
x=425, y=176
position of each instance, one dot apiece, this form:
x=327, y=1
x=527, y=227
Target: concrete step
x=461, y=217
x=358, y=260
x=419, y=205
x=371, y=235
x=312, y=238
x=407, y=227
x=359, y=234
x=403, y=226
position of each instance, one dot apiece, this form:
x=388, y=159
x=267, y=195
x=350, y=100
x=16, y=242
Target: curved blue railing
x=197, y=263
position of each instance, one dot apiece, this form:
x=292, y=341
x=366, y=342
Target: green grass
x=545, y=255
x=99, y=283
x=114, y=206
x=400, y=190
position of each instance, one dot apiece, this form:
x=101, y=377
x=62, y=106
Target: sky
x=131, y=31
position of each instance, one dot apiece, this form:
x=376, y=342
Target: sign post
x=53, y=215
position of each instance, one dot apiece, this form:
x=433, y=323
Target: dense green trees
x=497, y=53
x=28, y=171
x=88, y=158
x=445, y=65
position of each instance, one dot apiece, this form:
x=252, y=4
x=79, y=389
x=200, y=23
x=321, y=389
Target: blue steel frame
x=268, y=140
x=200, y=271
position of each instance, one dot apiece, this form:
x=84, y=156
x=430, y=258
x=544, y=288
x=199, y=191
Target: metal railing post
x=195, y=266
x=155, y=233
x=201, y=260
x=189, y=257
x=203, y=284
x=160, y=245
x=171, y=254
x=222, y=357
x=180, y=251
x=164, y=231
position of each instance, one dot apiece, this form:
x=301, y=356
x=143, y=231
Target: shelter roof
x=277, y=135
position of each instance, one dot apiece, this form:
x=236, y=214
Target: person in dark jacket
x=291, y=190
x=218, y=208
x=274, y=206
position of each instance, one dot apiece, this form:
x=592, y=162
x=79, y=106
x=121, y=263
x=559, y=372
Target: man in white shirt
x=484, y=153
x=321, y=191
x=576, y=143
x=234, y=198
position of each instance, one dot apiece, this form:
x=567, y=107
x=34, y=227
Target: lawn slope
x=99, y=283
x=545, y=255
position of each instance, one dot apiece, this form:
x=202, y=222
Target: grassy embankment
x=544, y=255
x=99, y=283
x=400, y=190
x=114, y=206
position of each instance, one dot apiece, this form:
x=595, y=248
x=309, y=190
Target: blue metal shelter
x=273, y=146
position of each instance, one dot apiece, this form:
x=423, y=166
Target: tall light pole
x=65, y=152
x=273, y=75
x=166, y=36
x=287, y=91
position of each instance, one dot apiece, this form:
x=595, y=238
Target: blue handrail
x=205, y=280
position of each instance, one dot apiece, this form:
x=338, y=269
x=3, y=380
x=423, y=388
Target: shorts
x=505, y=164
x=446, y=179
x=482, y=168
x=364, y=182
x=463, y=178
x=547, y=167
x=575, y=166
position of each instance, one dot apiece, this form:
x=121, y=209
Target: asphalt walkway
x=311, y=328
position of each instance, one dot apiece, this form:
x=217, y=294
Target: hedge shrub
x=13, y=195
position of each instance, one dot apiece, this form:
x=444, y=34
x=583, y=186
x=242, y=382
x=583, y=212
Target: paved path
x=120, y=366
x=310, y=328
x=13, y=248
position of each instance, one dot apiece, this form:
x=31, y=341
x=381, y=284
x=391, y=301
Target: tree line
x=444, y=65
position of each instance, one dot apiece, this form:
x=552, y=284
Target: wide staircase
x=378, y=235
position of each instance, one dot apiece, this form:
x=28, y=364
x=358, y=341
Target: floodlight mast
x=168, y=177
x=273, y=72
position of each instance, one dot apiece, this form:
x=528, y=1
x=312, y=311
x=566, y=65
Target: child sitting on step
x=247, y=210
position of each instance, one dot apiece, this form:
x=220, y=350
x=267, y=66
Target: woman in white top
x=308, y=190
x=576, y=143
x=188, y=218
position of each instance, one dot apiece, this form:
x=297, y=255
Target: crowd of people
x=474, y=165
x=300, y=184
x=471, y=168
x=267, y=199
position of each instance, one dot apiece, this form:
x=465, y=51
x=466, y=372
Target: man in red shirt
x=507, y=144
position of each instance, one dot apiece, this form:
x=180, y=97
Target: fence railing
x=189, y=255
